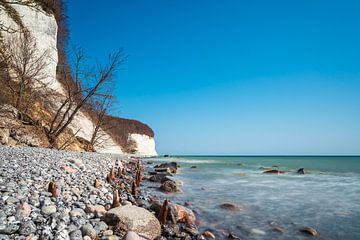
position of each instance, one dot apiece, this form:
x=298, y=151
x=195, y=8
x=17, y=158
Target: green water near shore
x=326, y=198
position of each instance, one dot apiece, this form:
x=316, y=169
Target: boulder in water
x=182, y=214
x=300, y=171
x=273, y=171
x=167, y=167
x=230, y=207
x=169, y=186
x=309, y=230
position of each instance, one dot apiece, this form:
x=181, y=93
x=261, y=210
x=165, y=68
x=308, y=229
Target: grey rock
x=11, y=200
x=76, y=235
x=4, y=237
x=62, y=235
x=101, y=226
x=88, y=230
x=27, y=228
x=48, y=210
x=47, y=233
x=8, y=228
x=9, y=210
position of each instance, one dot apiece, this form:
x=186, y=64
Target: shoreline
x=83, y=203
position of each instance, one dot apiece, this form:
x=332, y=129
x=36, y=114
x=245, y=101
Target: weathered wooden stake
x=138, y=178
x=164, y=212
x=111, y=176
x=133, y=188
x=119, y=172
x=52, y=189
x=97, y=183
x=116, y=199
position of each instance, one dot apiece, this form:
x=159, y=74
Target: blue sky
x=233, y=77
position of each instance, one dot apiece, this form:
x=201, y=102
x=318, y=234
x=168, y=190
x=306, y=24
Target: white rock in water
x=257, y=231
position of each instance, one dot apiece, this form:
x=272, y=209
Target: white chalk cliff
x=43, y=27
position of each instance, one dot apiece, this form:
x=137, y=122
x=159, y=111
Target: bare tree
x=81, y=86
x=100, y=107
x=25, y=68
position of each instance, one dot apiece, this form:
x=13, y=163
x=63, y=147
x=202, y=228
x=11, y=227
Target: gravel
x=25, y=174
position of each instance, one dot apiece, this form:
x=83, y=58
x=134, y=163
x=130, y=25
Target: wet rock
x=256, y=231
x=167, y=167
x=192, y=230
x=132, y=218
x=158, y=177
x=170, y=230
x=27, y=228
x=48, y=210
x=130, y=235
x=232, y=236
x=182, y=214
x=279, y=229
x=88, y=230
x=273, y=171
x=170, y=186
x=193, y=166
x=208, y=235
x=309, y=230
x=300, y=171
x=230, y=207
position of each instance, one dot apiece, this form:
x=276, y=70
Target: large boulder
x=132, y=218
x=170, y=186
x=182, y=214
x=159, y=177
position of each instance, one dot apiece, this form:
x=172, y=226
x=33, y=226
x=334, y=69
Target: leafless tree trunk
x=100, y=107
x=81, y=88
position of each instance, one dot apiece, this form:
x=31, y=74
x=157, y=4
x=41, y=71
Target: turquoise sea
x=326, y=198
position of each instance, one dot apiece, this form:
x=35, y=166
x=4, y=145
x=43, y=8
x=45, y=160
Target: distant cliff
x=45, y=22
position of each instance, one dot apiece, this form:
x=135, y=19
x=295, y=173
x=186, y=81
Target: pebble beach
x=92, y=197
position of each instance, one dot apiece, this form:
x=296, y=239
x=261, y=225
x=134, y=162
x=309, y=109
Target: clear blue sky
x=233, y=77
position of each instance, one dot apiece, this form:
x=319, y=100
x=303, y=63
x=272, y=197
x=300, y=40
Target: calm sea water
x=327, y=198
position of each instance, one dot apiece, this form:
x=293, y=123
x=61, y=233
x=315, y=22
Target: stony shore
x=50, y=194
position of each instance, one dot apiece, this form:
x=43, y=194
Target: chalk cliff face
x=44, y=29
x=145, y=145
